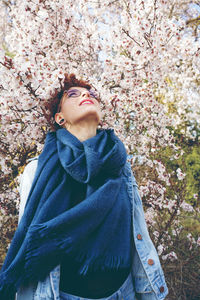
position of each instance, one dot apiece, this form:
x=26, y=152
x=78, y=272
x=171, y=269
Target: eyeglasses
x=73, y=93
x=76, y=93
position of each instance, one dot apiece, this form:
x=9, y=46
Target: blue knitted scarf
x=77, y=206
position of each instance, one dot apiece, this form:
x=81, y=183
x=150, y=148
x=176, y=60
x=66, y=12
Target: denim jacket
x=147, y=273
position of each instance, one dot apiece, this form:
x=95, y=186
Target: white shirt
x=26, y=183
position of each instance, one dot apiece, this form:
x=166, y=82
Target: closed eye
x=72, y=94
x=94, y=95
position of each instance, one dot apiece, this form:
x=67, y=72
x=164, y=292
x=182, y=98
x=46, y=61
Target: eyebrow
x=72, y=90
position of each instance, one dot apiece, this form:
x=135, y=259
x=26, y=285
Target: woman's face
x=78, y=104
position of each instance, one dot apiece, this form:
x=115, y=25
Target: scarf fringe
x=7, y=292
x=7, y=288
x=37, y=247
x=66, y=246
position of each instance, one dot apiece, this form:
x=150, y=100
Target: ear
x=58, y=117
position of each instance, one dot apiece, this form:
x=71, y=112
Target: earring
x=61, y=122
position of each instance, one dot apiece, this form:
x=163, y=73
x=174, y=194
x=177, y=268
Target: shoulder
x=127, y=167
x=30, y=168
x=128, y=172
x=29, y=171
x=33, y=160
x=32, y=164
x=26, y=181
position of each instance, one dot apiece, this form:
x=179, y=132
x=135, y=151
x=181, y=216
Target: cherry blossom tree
x=144, y=62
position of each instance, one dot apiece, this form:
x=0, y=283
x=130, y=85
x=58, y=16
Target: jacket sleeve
x=25, y=184
x=147, y=272
x=24, y=188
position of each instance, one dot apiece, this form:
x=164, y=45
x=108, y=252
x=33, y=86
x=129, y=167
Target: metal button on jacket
x=139, y=237
x=150, y=262
x=162, y=289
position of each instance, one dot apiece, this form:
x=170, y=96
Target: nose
x=86, y=93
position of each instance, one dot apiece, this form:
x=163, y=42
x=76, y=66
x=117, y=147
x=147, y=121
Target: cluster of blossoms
x=192, y=241
x=171, y=256
x=186, y=207
x=180, y=174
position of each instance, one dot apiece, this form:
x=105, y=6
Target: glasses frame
x=80, y=92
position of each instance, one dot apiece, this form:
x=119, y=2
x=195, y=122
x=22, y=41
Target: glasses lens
x=73, y=93
x=76, y=93
x=94, y=94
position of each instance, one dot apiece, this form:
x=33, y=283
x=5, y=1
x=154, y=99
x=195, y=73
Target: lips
x=86, y=100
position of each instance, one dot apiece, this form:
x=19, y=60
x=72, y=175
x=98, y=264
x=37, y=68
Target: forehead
x=77, y=88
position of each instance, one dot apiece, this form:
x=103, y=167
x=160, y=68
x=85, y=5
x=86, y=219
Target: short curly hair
x=53, y=102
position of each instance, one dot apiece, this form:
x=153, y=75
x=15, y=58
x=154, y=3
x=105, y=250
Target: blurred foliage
x=176, y=226
x=9, y=226
x=193, y=175
x=183, y=275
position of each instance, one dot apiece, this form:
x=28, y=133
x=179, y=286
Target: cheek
x=70, y=111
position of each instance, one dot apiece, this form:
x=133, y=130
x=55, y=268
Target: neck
x=82, y=131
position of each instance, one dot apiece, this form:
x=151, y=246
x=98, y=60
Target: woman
x=82, y=234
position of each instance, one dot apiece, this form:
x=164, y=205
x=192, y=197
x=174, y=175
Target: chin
x=92, y=114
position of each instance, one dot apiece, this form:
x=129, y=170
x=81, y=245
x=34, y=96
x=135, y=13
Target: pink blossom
x=160, y=249
x=180, y=174
x=186, y=207
x=171, y=256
